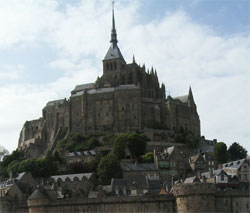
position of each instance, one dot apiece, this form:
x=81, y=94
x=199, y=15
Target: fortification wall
x=163, y=203
x=232, y=201
x=195, y=197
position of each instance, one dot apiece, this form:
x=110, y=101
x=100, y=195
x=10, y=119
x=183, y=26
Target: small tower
x=113, y=62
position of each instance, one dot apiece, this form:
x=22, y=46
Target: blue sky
x=49, y=46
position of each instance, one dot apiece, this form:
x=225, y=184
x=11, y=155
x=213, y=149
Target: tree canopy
x=220, y=152
x=236, y=152
x=109, y=167
x=134, y=141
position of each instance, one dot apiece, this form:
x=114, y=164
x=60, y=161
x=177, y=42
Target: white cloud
x=183, y=53
x=11, y=72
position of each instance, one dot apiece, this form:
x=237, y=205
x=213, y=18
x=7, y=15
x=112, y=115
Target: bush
x=148, y=157
x=109, y=167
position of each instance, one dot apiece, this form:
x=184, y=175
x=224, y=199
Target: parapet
x=187, y=189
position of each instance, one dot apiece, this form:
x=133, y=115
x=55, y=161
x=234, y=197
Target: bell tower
x=113, y=62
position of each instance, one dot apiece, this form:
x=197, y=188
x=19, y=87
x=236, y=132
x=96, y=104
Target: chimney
x=220, y=166
x=199, y=174
x=210, y=172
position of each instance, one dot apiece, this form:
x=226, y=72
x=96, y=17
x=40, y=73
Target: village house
x=18, y=188
x=240, y=168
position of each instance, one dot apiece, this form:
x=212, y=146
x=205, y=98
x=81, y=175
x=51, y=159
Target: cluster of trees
x=235, y=152
x=187, y=138
x=16, y=163
x=109, y=166
x=75, y=142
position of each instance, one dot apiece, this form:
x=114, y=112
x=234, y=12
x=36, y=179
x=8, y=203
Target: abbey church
x=126, y=98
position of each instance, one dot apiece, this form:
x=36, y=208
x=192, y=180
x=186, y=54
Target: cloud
x=11, y=72
x=183, y=52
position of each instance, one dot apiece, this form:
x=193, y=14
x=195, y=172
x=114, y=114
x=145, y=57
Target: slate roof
x=71, y=177
x=154, y=183
x=138, y=167
x=113, y=53
x=52, y=103
x=37, y=194
x=194, y=158
x=101, y=90
x=192, y=180
x=136, y=181
x=82, y=87
x=118, y=182
x=127, y=86
x=233, y=164
x=183, y=98
x=83, y=153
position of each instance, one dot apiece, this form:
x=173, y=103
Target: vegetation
x=109, y=167
x=135, y=142
x=236, y=152
x=77, y=142
x=148, y=157
x=220, y=152
x=15, y=163
x=187, y=138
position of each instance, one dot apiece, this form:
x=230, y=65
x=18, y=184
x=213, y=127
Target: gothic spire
x=113, y=31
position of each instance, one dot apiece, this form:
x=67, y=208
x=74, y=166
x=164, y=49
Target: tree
x=119, y=145
x=137, y=144
x=236, y=152
x=134, y=141
x=148, y=157
x=109, y=167
x=220, y=152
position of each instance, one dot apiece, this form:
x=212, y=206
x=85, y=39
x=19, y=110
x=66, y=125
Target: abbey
x=126, y=98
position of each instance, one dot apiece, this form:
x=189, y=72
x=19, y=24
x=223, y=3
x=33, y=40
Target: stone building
x=126, y=98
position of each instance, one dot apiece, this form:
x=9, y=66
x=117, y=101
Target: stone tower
x=113, y=62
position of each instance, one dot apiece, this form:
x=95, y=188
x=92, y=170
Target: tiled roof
x=85, y=153
x=114, y=53
x=83, y=87
x=191, y=180
x=51, y=103
x=101, y=90
x=233, y=164
x=183, y=98
x=136, y=181
x=71, y=177
x=37, y=194
x=138, y=167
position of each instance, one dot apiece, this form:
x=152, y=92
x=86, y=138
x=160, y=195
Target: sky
x=49, y=46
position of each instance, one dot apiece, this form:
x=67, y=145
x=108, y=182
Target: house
x=144, y=169
x=173, y=163
x=212, y=164
x=71, y=185
x=80, y=157
x=198, y=164
x=18, y=188
x=221, y=178
x=240, y=168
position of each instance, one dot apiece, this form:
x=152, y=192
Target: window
x=222, y=177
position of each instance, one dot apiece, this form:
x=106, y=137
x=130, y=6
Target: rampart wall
x=163, y=203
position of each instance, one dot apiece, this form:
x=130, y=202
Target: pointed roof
x=114, y=51
x=37, y=194
x=190, y=94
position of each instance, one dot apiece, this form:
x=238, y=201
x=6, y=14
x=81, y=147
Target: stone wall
x=163, y=203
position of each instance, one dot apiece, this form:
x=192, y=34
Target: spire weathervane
x=113, y=31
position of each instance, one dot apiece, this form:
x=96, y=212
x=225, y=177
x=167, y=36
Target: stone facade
x=126, y=98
